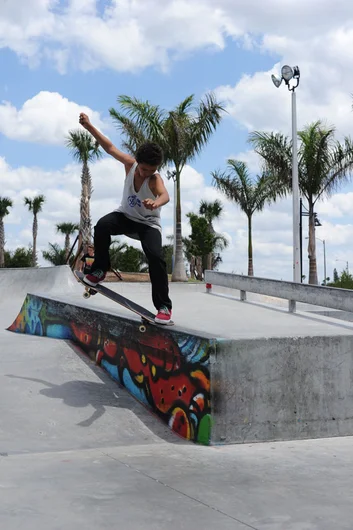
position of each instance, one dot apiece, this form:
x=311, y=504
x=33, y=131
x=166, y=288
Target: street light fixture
x=289, y=74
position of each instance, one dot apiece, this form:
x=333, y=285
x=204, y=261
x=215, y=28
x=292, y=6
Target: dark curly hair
x=149, y=153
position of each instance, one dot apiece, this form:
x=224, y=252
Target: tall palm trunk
x=35, y=233
x=2, y=243
x=192, y=267
x=209, y=261
x=67, y=245
x=198, y=268
x=209, y=258
x=312, y=246
x=85, y=213
x=179, y=274
x=250, y=259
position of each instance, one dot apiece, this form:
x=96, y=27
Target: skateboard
x=146, y=316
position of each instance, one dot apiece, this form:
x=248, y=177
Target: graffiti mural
x=167, y=371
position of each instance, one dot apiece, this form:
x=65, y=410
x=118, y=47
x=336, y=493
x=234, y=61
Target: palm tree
x=182, y=133
x=251, y=195
x=323, y=164
x=34, y=206
x=210, y=211
x=5, y=204
x=201, y=244
x=55, y=254
x=84, y=149
x=67, y=229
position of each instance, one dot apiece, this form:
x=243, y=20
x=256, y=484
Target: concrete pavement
x=76, y=450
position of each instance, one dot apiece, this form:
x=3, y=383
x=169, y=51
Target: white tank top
x=132, y=206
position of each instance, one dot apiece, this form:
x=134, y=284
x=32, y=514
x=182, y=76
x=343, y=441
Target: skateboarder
x=138, y=216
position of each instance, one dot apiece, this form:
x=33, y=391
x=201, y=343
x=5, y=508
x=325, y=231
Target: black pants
x=116, y=223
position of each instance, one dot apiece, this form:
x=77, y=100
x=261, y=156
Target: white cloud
x=127, y=35
x=45, y=118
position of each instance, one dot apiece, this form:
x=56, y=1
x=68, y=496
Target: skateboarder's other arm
x=107, y=145
x=159, y=190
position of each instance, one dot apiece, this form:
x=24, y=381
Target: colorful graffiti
x=167, y=371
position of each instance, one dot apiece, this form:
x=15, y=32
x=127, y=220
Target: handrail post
x=292, y=306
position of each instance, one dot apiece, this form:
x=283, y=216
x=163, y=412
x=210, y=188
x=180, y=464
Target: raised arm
x=106, y=144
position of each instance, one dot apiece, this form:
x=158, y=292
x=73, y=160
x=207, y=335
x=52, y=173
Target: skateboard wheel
x=142, y=328
x=86, y=295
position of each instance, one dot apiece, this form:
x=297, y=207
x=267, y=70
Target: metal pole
x=301, y=239
x=174, y=222
x=295, y=191
x=325, y=262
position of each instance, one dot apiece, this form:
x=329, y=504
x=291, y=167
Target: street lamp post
x=346, y=262
x=287, y=75
x=323, y=241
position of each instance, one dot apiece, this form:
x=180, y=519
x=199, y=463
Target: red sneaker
x=164, y=315
x=94, y=277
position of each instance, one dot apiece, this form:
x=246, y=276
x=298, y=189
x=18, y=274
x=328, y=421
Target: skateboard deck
x=145, y=315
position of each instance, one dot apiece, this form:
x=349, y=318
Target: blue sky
x=62, y=57
x=196, y=74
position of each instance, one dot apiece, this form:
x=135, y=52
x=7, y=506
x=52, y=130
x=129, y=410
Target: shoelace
x=164, y=310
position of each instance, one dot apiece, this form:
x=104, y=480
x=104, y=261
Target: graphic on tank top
x=133, y=201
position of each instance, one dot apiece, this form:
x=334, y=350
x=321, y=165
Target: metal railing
x=332, y=297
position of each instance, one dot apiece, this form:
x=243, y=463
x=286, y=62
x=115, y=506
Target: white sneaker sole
x=165, y=322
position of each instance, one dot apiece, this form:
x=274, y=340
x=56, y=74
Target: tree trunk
x=192, y=268
x=179, y=273
x=85, y=214
x=198, y=267
x=209, y=261
x=35, y=233
x=67, y=245
x=312, y=247
x=210, y=256
x=2, y=243
x=250, y=259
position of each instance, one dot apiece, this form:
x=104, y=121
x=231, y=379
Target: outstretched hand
x=84, y=120
x=150, y=204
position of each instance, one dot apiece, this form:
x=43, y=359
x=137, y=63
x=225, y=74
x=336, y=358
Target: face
x=145, y=170
x=90, y=251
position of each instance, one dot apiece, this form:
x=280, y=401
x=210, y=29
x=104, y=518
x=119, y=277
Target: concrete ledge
x=282, y=389
x=213, y=390
x=167, y=371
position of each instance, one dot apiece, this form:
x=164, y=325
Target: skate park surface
x=77, y=449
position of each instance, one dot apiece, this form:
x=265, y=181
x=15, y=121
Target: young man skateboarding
x=138, y=216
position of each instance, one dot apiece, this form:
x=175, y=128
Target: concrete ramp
x=16, y=283
x=229, y=372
